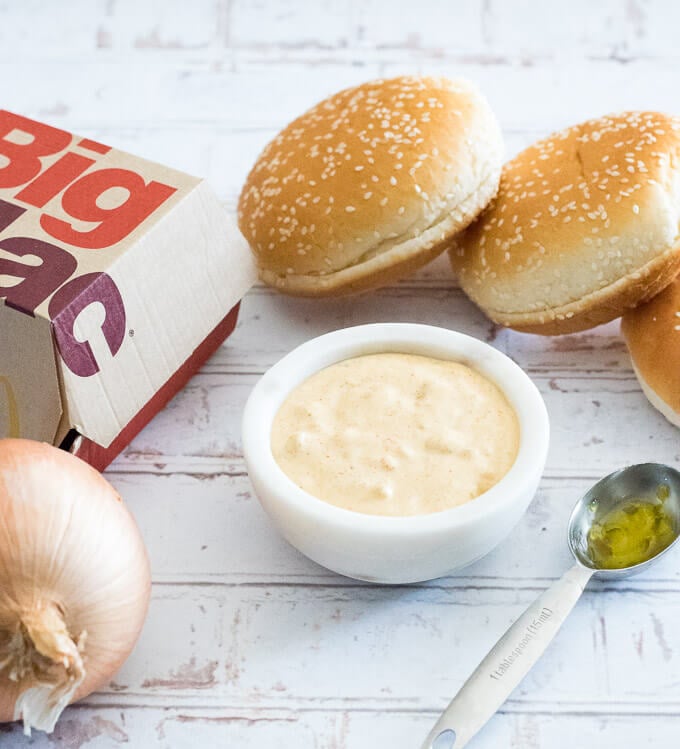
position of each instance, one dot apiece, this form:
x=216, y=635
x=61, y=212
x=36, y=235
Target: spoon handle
x=508, y=662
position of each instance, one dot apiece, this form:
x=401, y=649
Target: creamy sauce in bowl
x=396, y=434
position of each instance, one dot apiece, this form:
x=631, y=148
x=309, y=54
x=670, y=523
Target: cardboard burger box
x=119, y=277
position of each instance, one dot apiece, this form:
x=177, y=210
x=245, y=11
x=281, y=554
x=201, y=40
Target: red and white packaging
x=119, y=277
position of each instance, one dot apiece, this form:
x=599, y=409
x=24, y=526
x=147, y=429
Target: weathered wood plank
x=493, y=31
x=299, y=645
x=86, y=727
x=320, y=26
x=212, y=530
x=195, y=27
x=271, y=325
x=337, y=31
x=96, y=27
x=402, y=648
x=260, y=95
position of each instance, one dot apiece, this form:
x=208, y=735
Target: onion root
x=47, y=664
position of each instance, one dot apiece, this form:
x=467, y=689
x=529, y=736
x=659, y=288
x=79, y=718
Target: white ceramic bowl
x=394, y=549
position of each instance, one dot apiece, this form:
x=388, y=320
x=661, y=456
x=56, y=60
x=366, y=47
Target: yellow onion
x=74, y=582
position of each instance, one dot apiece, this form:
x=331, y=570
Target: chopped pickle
x=631, y=533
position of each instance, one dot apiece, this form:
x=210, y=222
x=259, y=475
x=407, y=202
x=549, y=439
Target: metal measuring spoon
x=525, y=642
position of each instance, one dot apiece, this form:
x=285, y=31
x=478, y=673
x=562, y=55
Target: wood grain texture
x=249, y=644
x=171, y=728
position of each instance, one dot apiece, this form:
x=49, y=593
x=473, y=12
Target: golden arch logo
x=7, y=394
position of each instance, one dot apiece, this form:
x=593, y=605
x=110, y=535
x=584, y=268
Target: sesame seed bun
x=370, y=184
x=652, y=333
x=584, y=226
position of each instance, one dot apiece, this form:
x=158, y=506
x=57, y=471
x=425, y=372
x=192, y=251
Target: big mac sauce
x=396, y=434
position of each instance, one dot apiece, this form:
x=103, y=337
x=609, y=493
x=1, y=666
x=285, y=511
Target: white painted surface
x=249, y=645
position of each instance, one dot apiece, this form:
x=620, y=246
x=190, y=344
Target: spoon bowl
x=638, y=482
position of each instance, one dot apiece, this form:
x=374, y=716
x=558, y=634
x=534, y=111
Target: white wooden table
x=249, y=645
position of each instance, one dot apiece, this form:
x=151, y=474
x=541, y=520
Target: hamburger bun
x=652, y=334
x=370, y=184
x=584, y=226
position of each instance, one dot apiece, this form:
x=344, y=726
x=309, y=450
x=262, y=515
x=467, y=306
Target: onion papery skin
x=69, y=551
